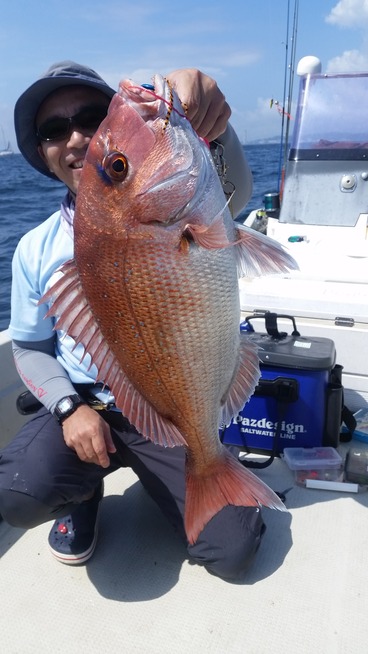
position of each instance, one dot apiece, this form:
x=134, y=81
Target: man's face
x=64, y=156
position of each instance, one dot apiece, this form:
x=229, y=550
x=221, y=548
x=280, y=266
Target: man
x=55, y=466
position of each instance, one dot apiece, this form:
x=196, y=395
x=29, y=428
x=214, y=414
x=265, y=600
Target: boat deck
x=306, y=592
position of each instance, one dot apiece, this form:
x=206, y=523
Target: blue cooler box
x=299, y=391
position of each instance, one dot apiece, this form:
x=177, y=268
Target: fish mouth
x=155, y=101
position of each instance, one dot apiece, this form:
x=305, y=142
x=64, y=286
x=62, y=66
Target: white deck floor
x=306, y=593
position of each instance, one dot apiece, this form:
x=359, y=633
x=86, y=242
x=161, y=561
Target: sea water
x=27, y=198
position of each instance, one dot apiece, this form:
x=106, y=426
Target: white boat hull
x=328, y=296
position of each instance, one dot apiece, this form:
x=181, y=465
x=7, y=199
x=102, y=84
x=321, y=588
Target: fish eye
x=115, y=165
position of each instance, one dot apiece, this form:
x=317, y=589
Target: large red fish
x=153, y=292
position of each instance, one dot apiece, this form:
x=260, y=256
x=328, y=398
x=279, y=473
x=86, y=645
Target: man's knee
x=21, y=510
x=228, y=543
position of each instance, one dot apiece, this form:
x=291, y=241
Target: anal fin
x=244, y=383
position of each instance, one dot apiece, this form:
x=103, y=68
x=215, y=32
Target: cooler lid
x=305, y=298
x=295, y=351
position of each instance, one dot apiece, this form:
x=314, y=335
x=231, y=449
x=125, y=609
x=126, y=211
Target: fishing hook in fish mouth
x=170, y=102
x=170, y=106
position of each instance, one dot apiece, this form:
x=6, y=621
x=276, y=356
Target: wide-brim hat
x=63, y=73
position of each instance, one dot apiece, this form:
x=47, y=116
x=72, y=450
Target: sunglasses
x=59, y=128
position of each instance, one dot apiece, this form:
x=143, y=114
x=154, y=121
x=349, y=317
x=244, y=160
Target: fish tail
x=228, y=483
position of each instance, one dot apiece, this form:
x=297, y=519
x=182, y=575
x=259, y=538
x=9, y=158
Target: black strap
x=281, y=413
x=270, y=319
x=271, y=325
x=347, y=417
x=27, y=403
x=284, y=390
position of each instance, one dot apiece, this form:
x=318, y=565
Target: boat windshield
x=331, y=118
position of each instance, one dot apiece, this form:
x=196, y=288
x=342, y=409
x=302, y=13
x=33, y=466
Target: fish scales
x=155, y=292
x=159, y=326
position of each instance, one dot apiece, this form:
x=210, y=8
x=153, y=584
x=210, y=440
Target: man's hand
x=205, y=104
x=89, y=436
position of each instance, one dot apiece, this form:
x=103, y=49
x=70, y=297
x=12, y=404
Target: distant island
x=270, y=140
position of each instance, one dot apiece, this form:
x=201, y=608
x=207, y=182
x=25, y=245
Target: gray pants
x=42, y=479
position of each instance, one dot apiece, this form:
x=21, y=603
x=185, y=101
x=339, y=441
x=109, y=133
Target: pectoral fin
x=256, y=253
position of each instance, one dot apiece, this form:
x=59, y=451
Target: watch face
x=65, y=404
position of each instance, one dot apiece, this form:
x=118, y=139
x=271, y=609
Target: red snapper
x=152, y=293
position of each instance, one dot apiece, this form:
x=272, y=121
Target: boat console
x=323, y=222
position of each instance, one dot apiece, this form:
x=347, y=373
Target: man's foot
x=73, y=539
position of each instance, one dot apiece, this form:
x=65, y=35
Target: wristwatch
x=66, y=406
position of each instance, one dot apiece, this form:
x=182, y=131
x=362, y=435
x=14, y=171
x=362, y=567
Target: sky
x=244, y=44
